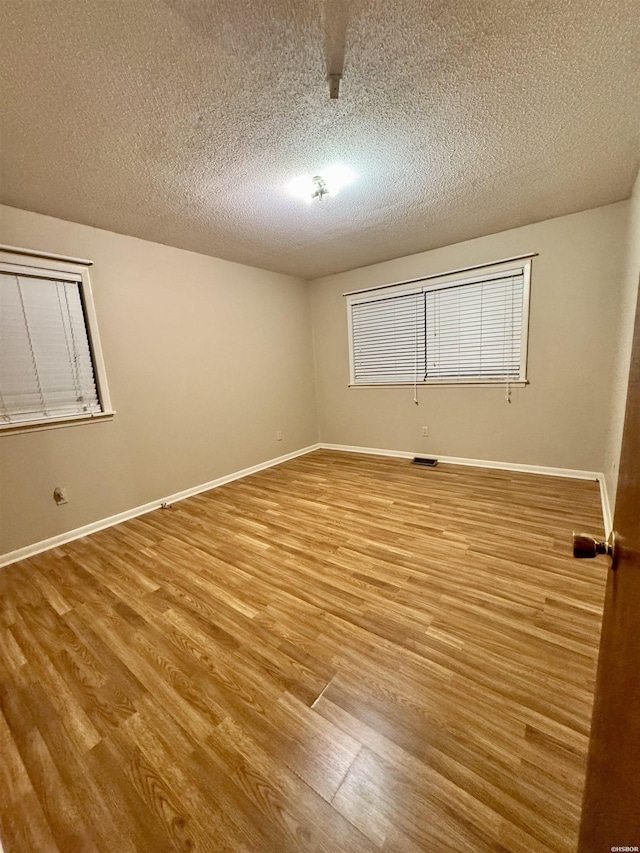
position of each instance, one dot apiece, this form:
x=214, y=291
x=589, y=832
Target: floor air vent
x=426, y=463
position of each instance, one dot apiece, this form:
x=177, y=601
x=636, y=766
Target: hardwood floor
x=343, y=653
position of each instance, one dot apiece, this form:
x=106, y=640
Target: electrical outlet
x=425, y=430
x=60, y=496
x=279, y=435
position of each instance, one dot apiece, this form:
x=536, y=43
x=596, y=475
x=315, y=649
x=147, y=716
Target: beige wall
x=205, y=361
x=560, y=419
x=627, y=309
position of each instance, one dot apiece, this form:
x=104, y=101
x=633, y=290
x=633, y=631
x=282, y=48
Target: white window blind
x=389, y=339
x=448, y=330
x=46, y=366
x=474, y=330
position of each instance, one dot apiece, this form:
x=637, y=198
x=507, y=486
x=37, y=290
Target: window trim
x=27, y=263
x=470, y=275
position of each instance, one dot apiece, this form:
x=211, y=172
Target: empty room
x=319, y=426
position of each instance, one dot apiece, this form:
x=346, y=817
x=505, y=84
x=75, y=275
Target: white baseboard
x=573, y=473
x=606, y=506
x=79, y=532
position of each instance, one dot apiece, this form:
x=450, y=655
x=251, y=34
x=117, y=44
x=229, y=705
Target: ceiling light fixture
x=327, y=182
x=321, y=188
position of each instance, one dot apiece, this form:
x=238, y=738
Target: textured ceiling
x=182, y=121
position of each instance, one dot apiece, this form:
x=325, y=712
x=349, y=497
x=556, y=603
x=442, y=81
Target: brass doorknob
x=585, y=547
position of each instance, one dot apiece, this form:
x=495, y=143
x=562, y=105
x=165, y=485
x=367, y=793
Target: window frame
x=56, y=268
x=441, y=281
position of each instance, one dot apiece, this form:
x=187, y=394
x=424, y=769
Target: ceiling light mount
x=326, y=182
x=320, y=188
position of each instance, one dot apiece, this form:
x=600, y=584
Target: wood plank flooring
x=343, y=653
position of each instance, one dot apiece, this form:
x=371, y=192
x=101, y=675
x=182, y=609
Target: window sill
x=54, y=423
x=448, y=383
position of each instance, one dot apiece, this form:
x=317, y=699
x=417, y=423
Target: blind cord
x=507, y=394
x=3, y=406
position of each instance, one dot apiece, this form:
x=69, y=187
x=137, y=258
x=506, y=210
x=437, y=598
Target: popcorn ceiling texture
x=182, y=121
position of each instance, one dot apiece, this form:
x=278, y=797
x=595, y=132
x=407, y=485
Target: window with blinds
x=47, y=360
x=447, y=330
x=389, y=339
